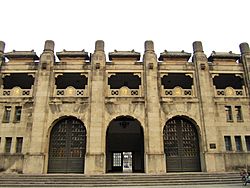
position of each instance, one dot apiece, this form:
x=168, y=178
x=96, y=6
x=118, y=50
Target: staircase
x=109, y=180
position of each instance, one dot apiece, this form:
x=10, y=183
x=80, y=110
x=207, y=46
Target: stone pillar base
x=33, y=164
x=155, y=164
x=94, y=163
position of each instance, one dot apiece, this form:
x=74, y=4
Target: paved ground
x=174, y=186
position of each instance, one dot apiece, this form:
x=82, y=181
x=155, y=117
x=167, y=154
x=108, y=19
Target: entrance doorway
x=124, y=146
x=67, y=147
x=122, y=162
x=181, y=146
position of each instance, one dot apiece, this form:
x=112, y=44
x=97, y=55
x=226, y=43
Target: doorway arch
x=67, y=146
x=124, y=145
x=181, y=145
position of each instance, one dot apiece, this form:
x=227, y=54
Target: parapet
x=21, y=55
x=182, y=55
x=79, y=55
x=124, y=55
x=223, y=56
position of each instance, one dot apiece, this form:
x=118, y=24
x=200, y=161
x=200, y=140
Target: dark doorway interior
x=124, y=146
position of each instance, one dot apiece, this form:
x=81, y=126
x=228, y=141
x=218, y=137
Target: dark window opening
x=229, y=114
x=239, y=116
x=228, y=143
x=238, y=143
x=21, y=80
x=6, y=116
x=18, y=111
x=19, y=144
x=124, y=79
x=228, y=80
x=8, y=141
x=247, y=138
x=172, y=80
x=76, y=80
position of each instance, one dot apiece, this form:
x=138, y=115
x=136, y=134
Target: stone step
x=75, y=180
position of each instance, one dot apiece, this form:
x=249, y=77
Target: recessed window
x=18, y=111
x=247, y=138
x=19, y=144
x=238, y=111
x=8, y=141
x=228, y=143
x=6, y=116
x=229, y=114
x=238, y=143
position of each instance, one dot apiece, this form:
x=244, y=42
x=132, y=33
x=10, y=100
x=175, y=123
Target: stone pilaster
x=34, y=161
x=95, y=163
x=155, y=162
x=245, y=59
x=205, y=95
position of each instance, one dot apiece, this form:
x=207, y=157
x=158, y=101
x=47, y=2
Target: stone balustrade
x=16, y=92
x=230, y=92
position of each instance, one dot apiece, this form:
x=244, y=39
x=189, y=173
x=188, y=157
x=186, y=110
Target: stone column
x=206, y=107
x=245, y=59
x=155, y=162
x=2, y=46
x=34, y=161
x=95, y=156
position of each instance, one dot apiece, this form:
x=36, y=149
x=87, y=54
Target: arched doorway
x=124, y=145
x=67, y=146
x=181, y=145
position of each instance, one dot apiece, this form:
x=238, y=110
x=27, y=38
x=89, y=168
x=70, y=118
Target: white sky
x=125, y=24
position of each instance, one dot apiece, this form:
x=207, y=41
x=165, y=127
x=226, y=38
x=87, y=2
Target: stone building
x=86, y=113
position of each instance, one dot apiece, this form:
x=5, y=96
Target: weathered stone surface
x=100, y=103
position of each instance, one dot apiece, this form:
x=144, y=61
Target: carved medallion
x=124, y=91
x=229, y=91
x=70, y=91
x=178, y=91
x=16, y=91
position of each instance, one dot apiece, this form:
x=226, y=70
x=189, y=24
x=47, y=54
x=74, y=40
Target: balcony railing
x=177, y=92
x=229, y=92
x=71, y=92
x=16, y=92
x=124, y=92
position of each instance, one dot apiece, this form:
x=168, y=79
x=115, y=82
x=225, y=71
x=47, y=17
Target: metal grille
x=67, y=147
x=181, y=146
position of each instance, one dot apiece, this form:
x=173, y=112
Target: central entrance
x=124, y=146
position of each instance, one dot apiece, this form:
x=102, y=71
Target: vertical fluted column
x=205, y=94
x=2, y=46
x=34, y=160
x=96, y=140
x=245, y=59
x=155, y=162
